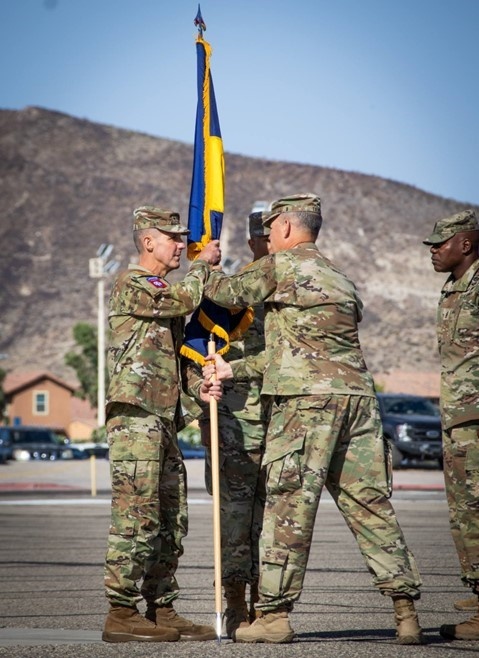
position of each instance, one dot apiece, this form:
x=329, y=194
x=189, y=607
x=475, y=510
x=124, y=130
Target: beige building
x=41, y=398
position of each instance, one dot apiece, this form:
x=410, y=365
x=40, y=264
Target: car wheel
x=440, y=461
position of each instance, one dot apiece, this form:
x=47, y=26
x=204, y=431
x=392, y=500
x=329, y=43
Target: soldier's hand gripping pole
x=215, y=476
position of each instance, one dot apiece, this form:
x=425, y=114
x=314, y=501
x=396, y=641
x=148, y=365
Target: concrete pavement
x=93, y=475
x=52, y=605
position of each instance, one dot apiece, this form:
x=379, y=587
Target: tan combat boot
x=467, y=604
x=253, y=598
x=468, y=630
x=236, y=613
x=271, y=627
x=408, y=630
x=167, y=617
x=124, y=624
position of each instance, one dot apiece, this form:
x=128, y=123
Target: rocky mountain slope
x=67, y=185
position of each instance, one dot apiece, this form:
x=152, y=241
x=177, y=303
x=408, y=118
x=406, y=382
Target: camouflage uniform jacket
x=242, y=397
x=458, y=338
x=146, y=331
x=312, y=312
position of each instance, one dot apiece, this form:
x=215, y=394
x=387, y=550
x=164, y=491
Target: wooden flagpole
x=215, y=476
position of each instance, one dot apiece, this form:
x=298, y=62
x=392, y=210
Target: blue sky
x=381, y=87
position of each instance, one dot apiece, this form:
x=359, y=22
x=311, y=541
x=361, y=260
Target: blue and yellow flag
x=205, y=217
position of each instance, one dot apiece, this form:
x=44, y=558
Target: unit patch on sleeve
x=155, y=281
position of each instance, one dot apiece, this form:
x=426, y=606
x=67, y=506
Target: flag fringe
x=243, y=325
x=192, y=354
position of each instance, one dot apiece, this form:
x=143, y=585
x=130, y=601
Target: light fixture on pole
x=99, y=268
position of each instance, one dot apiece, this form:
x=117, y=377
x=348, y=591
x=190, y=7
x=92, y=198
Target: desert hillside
x=68, y=185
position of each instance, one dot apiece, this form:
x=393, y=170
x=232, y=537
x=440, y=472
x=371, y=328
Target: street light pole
x=100, y=267
x=101, y=352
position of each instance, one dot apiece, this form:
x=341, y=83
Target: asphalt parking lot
x=52, y=548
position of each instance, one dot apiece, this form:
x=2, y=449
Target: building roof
x=16, y=380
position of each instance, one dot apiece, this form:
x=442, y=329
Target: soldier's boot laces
x=408, y=630
x=270, y=627
x=468, y=630
x=468, y=604
x=167, y=617
x=236, y=613
x=253, y=598
x=125, y=624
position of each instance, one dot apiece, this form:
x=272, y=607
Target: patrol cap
x=256, y=220
x=151, y=217
x=294, y=203
x=449, y=226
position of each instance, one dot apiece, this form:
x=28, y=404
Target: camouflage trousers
x=242, y=495
x=335, y=441
x=149, y=516
x=461, y=475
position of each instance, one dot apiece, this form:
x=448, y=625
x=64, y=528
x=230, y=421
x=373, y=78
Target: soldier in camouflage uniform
x=325, y=427
x=454, y=246
x=148, y=509
x=242, y=423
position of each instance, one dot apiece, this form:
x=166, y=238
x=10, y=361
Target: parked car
x=5, y=447
x=35, y=443
x=412, y=424
x=88, y=449
x=83, y=451
x=190, y=451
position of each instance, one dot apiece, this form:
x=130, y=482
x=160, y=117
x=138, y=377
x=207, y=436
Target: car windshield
x=409, y=406
x=32, y=436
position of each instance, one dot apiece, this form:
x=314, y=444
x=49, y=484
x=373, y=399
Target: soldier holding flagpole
x=325, y=428
x=242, y=421
x=148, y=508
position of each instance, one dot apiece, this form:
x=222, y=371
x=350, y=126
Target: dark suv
x=413, y=426
x=35, y=443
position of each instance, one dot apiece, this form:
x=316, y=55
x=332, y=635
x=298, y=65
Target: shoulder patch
x=156, y=281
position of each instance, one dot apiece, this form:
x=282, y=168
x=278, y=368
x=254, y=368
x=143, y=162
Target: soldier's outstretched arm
x=249, y=287
x=146, y=295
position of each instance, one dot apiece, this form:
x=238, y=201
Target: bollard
x=93, y=474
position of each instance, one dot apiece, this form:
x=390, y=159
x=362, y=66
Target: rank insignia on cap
x=155, y=281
